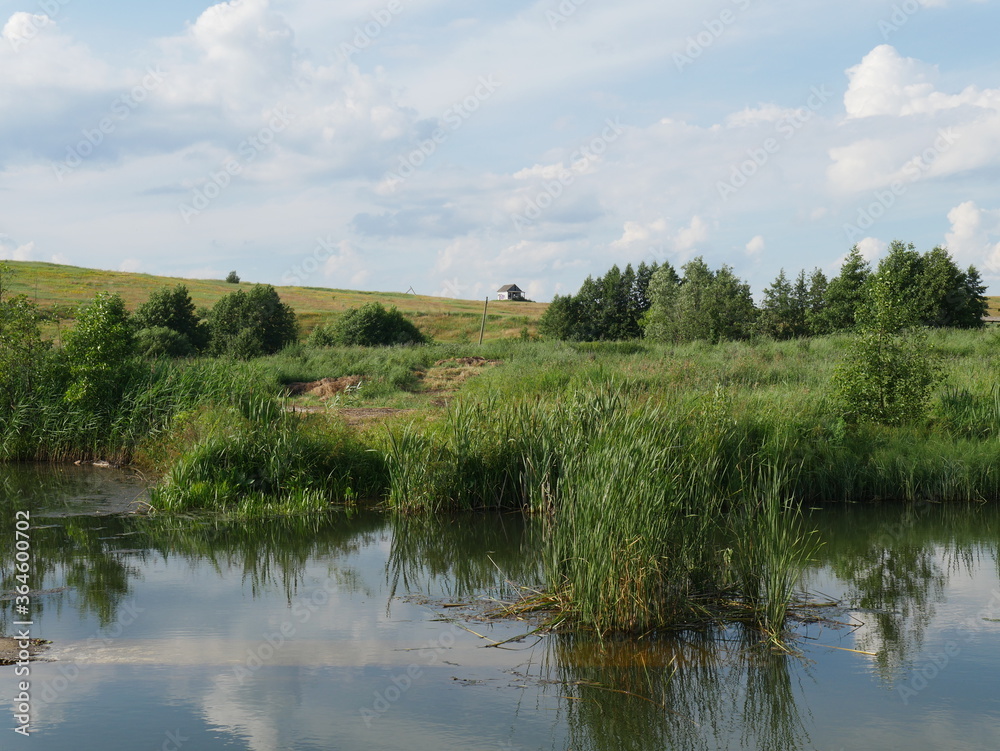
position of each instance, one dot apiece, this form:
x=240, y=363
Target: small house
x=510, y=292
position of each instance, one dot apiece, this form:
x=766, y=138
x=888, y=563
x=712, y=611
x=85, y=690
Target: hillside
x=60, y=289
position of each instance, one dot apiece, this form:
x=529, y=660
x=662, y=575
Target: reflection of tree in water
x=697, y=692
x=463, y=554
x=97, y=558
x=897, y=561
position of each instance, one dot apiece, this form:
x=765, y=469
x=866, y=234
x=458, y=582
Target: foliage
x=162, y=341
x=888, y=374
x=232, y=278
x=609, y=308
x=244, y=325
x=372, y=325
x=704, y=305
x=932, y=289
x=172, y=309
x=22, y=349
x=100, y=352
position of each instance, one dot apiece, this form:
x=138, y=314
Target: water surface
x=338, y=633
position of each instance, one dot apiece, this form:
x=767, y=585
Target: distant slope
x=62, y=288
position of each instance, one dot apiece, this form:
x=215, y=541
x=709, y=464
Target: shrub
x=372, y=325
x=250, y=324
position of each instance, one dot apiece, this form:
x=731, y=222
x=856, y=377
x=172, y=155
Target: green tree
x=100, y=351
x=888, y=374
x=846, y=293
x=250, y=324
x=172, y=309
x=816, y=314
x=705, y=304
x=22, y=348
x=560, y=319
x=372, y=325
x=233, y=278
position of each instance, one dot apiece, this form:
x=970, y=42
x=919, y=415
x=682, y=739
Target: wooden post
x=482, y=328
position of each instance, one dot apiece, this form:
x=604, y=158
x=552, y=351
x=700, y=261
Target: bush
x=372, y=325
x=888, y=374
x=249, y=324
x=161, y=341
x=173, y=309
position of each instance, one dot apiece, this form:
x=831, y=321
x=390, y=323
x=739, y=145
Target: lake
x=357, y=630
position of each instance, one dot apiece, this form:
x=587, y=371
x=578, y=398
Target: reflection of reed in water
x=715, y=690
x=463, y=555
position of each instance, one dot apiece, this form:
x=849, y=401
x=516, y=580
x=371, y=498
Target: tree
x=100, y=352
x=659, y=321
x=845, y=293
x=888, y=374
x=249, y=324
x=705, y=304
x=233, y=278
x=22, y=348
x=560, y=319
x=816, y=314
x=372, y=325
x=171, y=309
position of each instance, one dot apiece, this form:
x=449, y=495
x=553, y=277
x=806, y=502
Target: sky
x=450, y=148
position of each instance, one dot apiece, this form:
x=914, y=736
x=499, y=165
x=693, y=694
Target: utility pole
x=482, y=328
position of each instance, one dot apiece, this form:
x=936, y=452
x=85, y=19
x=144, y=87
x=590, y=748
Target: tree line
x=700, y=303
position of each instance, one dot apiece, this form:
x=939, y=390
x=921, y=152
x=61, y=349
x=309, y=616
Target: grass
x=670, y=478
x=60, y=289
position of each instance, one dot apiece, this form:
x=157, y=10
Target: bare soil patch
x=10, y=649
x=325, y=387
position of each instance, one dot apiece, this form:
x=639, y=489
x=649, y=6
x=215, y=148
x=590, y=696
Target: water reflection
x=699, y=691
x=897, y=568
x=896, y=562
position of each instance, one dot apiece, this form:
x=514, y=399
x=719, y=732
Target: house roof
x=510, y=288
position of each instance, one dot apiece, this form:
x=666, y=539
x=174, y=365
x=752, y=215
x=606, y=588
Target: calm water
x=333, y=634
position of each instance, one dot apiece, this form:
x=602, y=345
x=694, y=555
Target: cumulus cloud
x=756, y=246
x=974, y=237
x=905, y=129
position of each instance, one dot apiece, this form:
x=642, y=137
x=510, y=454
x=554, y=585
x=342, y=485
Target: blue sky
x=452, y=147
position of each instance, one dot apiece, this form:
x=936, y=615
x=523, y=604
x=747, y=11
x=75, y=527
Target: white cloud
x=974, y=237
x=871, y=248
x=756, y=246
x=904, y=129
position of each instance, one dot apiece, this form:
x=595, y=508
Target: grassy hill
x=60, y=289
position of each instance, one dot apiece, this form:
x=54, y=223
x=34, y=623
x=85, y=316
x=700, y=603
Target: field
x=60, y=289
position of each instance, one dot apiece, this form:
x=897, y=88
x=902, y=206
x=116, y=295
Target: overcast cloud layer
x=454, y=147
